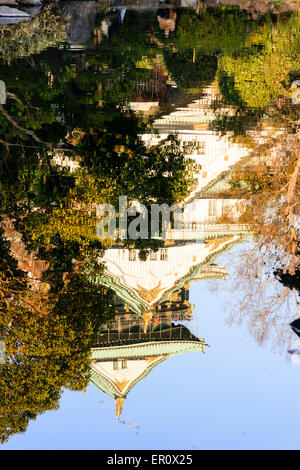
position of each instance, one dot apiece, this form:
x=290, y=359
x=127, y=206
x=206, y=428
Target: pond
x=149, y=224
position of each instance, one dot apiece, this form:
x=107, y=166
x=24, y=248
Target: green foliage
x=48, y=336
x=26, y=38
x=223, y=29
x=191, y=72
x=257, y=75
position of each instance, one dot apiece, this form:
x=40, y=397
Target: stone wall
x=27, y=262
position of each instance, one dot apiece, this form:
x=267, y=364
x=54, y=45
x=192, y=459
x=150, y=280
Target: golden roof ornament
x=119, y=405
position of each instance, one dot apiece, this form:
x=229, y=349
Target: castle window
x=212, y=208
x=201, y=148
x=153, y=255
x=132, y=255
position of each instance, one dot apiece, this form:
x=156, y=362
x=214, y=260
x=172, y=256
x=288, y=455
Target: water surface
x=166, y=336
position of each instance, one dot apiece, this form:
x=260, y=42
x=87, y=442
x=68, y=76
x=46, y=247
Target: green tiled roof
x=129, y=297
x=189, y=235
x=221, y=184
x=140, y=350
x=196, y=272
x=103, y=385
x=165, y=349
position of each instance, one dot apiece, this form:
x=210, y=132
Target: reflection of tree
x=48, y=336
x=258, y=74
x=262, y=303
x=273, y=205
x=224, y=29
x=31, y=37
x=74, y=114
x=292, y=281
x=272, y=210
x=255, y=56
x=190, y=70
x=68, y=142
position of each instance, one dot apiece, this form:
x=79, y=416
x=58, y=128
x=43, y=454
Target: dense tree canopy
x=30, y=37
x=48, y=335
x=257, y=75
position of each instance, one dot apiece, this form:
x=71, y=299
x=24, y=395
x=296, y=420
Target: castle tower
x=115, y=369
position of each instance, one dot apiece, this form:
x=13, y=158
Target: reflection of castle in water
x=142, y=284
x=153, y=306
x=126, y=351
x=209, y=223
x=152, y=296
x=214, y=153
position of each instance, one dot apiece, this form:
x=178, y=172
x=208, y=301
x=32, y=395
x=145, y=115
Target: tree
x=103, y=142
x=258, y=74
x=191, y=70
x=269, y=182
x=211, y=31
x=48, y=336
x=25, y=38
